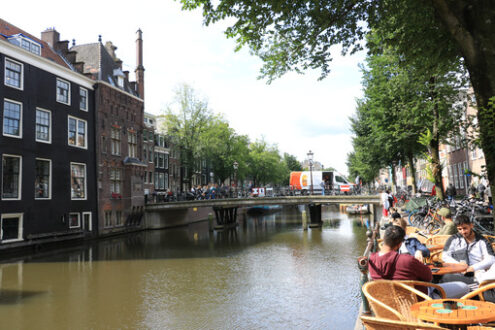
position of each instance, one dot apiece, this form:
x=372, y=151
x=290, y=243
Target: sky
x=297, y=112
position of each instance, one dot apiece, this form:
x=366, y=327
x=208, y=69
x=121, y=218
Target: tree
x=292, y=164
x=297, y=35
x=186, y=124
x=265, y=164
x=222, y=147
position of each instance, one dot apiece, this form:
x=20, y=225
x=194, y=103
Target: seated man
x=411, y=245
x=390, y=265
x=468, y=247
x=449, y=228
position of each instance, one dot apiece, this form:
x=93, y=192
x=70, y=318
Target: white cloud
x=296, y=112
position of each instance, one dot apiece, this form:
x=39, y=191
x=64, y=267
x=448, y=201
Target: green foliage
x=187, y=123
x=265, y=164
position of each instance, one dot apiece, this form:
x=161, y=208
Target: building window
x=159, y=180
x=165, y=161
x=461, y=175
x=74, y=220
x=78, y=180
x=150, y=154
x=43, y=125
x=12, y=118
x=14, y=74
x=63, y=91
x=108, y=219
x=150, y=177
x=145, y=153
x=25, y=43
x=83, y=99
x=118, y=218
x=11, y=177
x=115, y=180
x=132, y=144
x=115, y=141
x=42, y=182
x=11, y=227
x=77, y=132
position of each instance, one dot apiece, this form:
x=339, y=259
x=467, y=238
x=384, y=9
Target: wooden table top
x=448, y=268
x=468, y=312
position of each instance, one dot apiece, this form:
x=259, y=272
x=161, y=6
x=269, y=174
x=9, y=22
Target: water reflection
x=267, y=273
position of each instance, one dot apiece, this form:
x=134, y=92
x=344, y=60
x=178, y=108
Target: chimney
x=111, y=49
x=126, y=75
x=50, y=36
x=139, y=64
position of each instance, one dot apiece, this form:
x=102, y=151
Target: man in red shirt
x=388, y=264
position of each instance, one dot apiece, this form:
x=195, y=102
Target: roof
x=7, y=30
x=101, y=64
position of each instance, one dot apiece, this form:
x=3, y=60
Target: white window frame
x=119, y=218
x=20, y=119
x=57, y=94
x=81, y=89
x=78, y=219
x=109, y=218
x=90, y=222
x=115, y=142
x=77, y=132
x=49, y=141
x=115, y=180
x=19, y=197
x=49, y=180
x=20, y=230
x=21, y=79
x=85, y=181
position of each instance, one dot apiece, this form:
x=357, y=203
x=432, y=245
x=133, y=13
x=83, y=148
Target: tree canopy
x=298, y=35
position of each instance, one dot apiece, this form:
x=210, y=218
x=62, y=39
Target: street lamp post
x=310, y=158
x=236, y=166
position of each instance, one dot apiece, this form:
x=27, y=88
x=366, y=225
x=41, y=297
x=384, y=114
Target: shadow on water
x=12, y=297
x=193, y=241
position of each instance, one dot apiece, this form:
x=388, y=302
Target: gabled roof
x=7, y=30
x=101, y=64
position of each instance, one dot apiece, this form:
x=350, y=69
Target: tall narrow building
x=119, y=126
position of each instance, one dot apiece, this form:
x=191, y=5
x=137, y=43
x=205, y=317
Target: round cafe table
x=448, y=268
x=468, y=312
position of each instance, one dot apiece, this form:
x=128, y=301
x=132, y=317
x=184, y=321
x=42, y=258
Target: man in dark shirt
x=388, y=264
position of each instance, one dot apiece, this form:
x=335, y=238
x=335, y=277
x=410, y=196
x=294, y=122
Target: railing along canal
x=373, y=234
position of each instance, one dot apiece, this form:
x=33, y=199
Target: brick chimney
x=51, y=37
x=139, y=64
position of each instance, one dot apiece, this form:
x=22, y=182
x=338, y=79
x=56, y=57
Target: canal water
x=266, y=274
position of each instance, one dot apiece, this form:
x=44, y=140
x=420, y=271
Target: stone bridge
x=226, y=209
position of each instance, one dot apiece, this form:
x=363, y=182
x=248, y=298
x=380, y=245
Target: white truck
x=332, y=182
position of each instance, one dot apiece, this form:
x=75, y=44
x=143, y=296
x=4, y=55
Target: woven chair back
x=437, y=239
x=390, y=300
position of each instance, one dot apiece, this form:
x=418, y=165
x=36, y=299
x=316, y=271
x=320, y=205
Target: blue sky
x=296, y=112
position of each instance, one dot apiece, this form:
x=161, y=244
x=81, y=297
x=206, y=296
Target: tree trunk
x=410, y=159
x=394, y=179
x=433, y=148
x=471, y=24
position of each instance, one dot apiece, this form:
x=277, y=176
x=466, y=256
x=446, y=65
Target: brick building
x=119, y=128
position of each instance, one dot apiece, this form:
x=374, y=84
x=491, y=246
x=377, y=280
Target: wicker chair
x=393, y=299
x=437, y=239
x=411, y=230
x=373, y=323
x=485, y=286
x=435, y=256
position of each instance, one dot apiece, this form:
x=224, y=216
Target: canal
x=266, y=274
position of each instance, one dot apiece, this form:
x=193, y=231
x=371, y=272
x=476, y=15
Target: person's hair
x=395, y=214
x=461, y=219
x=400, y=222
x=394, y=235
